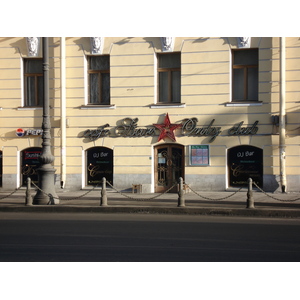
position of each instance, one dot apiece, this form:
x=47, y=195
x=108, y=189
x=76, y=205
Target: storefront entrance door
x=169, y=166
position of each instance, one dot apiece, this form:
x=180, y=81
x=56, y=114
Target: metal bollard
x=28, y=197
x=250, y=200
x=103, y=198
x=181, y=200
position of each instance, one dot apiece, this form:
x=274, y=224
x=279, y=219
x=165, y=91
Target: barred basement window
x=99, y=79
x=33, y=81
x=169, y=77
x=245, y=75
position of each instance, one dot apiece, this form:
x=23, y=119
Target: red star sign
x=167, y=129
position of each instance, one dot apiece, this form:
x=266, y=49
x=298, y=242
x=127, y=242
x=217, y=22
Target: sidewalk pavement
x=231, y=204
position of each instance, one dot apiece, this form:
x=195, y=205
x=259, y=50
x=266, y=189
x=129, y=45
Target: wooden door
x=169, y=166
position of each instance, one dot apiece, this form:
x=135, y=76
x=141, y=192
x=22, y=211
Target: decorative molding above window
x=244, y=42
x=167, y=43
x=97, y=45
x=33, y=45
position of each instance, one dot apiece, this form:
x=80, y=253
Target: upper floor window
x=169, y=77
x=245, y=75
x=99, y=79
x=33, y=79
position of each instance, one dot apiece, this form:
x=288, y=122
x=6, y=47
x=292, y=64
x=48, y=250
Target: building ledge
x=244, y=103
x=112, y=106
x=167, y=105
x=29, y=108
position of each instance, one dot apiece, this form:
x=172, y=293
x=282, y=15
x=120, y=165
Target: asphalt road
x=92, y=237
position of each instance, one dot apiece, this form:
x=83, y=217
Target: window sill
x=244, y=103
x=168, y=105
x=29, y=108
x=112, y=106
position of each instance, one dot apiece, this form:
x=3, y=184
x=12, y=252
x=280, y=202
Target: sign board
x=99, y=164
x=245, y=162
x=30, y=164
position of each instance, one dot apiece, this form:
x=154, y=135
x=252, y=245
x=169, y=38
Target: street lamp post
x=46, y=170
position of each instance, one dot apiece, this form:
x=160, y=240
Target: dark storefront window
x=245, y=162
x=1, y=167
x=30, y=163
x=99, y=164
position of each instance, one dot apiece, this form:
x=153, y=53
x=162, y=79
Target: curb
x=282, y=213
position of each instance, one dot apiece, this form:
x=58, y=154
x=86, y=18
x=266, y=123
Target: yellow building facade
x=148, y=110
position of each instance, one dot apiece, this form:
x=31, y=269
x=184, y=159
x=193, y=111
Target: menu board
x=99, y=165
x=30, y=164
x=199, y=155
x=245, y=162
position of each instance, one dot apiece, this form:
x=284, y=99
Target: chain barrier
x=142, y=199
x=11, y=193
x=67, y=199
x=282, y=200
x=218, y=199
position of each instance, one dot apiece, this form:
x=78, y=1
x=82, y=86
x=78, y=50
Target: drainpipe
x=282, y=116
x=63, y=110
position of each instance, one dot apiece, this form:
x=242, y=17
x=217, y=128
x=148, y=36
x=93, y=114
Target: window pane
x=170, y=60
x=94, y=88
x=105, y=88
x=176, y=86
x=34, y=66
x=253, y=84
x=163, y=87
x=99, y=62
x=245, y=57
x=238, y=84
x=30, y=91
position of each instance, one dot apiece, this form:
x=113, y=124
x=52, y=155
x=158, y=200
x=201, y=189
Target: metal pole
x=103, y=198
x=282, y=116
x=181, y=200
x=250, y=200
x=46, y=170
x=63, y=111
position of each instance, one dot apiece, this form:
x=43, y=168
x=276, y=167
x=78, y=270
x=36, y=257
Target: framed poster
x=199, y=155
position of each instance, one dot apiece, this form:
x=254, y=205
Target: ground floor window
x=99, y=164
x=29, y=164
x=244, y=162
